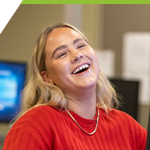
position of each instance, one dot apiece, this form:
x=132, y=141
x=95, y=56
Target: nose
x=76, y=56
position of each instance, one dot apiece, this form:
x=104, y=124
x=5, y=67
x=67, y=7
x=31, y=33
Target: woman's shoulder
x=120, y=117
x=119, y=114
x=39, y=110
x=43, y=108
x=124, y=124
x=124, y=119
x=114, y=112
x=36, y=124
x=37, y=116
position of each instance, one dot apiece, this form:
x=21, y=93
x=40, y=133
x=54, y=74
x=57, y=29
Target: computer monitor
x=12, y=79
x=128, y=90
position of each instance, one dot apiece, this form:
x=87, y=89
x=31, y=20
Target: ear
x=46, y=77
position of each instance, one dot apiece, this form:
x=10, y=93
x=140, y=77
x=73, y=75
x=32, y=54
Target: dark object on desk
x=148, y=135
x=129, y=91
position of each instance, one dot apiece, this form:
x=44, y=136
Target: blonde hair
x=37, y=92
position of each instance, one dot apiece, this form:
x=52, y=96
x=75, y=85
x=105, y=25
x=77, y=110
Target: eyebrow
x=64, y=46
x=77, y=40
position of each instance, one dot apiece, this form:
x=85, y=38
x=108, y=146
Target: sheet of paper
x=136, y=62
x=106, y=61
x=136, y=51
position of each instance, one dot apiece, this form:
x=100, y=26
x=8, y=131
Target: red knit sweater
x=45, y=128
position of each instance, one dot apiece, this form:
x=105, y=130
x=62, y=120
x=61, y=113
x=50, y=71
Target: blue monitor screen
x=12, y=78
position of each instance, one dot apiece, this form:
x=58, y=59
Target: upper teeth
x=80, y=68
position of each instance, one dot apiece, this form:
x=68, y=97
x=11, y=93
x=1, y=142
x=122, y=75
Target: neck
x=84, y=105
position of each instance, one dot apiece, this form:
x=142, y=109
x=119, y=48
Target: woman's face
x=70, y=61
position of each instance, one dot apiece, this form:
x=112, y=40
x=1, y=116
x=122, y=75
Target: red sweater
x=46, y=128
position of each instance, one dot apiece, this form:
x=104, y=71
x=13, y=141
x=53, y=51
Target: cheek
x=59, y=74
x=94, y=57
x=59, y=68
x=96, y=61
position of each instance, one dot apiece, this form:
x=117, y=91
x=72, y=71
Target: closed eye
x=81, y=46
x=62, y=54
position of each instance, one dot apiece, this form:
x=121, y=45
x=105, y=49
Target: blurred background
x=120, y=35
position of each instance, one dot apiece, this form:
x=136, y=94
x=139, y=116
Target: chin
x=89, y=84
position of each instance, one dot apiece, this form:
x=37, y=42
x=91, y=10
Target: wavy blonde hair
x=37, y=92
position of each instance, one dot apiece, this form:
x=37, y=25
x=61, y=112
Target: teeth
x=80, y=68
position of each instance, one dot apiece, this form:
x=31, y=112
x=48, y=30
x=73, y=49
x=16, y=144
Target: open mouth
x=81, y=69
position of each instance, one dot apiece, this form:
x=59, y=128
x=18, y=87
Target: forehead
x=61, y=36
x=63, y=31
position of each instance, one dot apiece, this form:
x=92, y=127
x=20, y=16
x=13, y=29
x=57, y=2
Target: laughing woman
x=67, y=103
